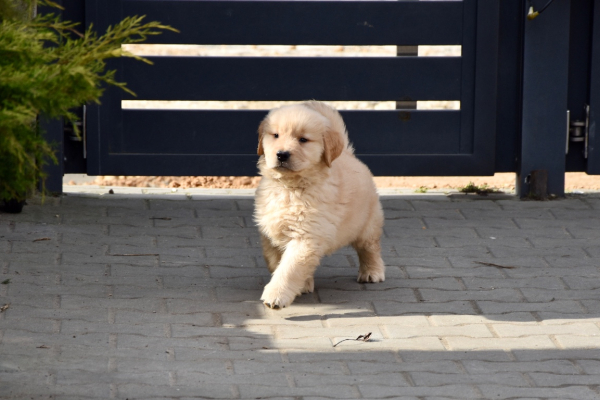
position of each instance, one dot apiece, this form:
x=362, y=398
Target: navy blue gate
x=223, y=142
x=515, y=79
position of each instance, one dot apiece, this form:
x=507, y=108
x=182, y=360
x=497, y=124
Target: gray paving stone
x=349, y=356
x=197, y=271
x=563, y=306
x=370, y=368
x=508, y=379
x=540, y=342
x=552, y=366
x=456, y=355
x=322, y=380
x=582, y=282
x=25, y=389
x=439, y=223
x=69, y=378
x=395, y=215
x=38, y=325
x=428, y=232
x=454, y=391
x=498, y=233
x=571, y=392
x=459, y=320
x=544, y=379
x=563, y=354
x=578, y=342
x=462, y=269
x=549, y=283
x=342, y=296
x=49, y=339
x=255, y=368
x=591, y=367
x=146, y=391
x=32, y=313
x=463, y=203
x=541, y=295
x=384, y=308
x=77, y=327
x=574, y=329
x=331, y=391
x=472, y=330
x=17, y=289
x=510, y=241
x=496, y=294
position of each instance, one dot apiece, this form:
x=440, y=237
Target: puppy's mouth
x=283, y=165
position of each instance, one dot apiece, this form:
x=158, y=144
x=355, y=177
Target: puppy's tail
x=334, y=117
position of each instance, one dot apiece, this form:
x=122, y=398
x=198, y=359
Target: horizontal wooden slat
x=296, y=79
x=235, y=132
x=299, y=22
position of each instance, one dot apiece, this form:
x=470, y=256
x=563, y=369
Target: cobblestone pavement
x=145, y=297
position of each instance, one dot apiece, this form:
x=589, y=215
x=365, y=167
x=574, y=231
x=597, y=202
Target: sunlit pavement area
x=156, y=295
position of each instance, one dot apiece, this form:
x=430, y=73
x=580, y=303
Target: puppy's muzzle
x=283, y=156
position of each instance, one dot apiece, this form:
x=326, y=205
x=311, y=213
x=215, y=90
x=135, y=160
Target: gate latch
x=578, y=131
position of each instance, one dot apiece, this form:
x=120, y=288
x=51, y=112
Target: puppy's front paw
x=276, y=297
x=371, y=275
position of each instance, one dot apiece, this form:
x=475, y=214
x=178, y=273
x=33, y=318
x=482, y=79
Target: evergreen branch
x=37, y=78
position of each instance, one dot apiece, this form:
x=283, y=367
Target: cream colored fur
x=321, y=199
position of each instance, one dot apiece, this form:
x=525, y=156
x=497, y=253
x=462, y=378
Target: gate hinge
x=578, y=131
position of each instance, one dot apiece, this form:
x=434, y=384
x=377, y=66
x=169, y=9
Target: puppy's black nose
x=283, y=155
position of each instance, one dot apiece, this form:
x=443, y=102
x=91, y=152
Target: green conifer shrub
x=48, y=67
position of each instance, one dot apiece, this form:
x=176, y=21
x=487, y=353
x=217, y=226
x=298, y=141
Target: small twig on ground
x=163, y=218
x=361, y=338
x=495, y=265
x=42, y=239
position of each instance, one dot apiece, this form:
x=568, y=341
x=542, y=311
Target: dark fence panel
x=291, y=78
x=317, y=22
x=234, y=132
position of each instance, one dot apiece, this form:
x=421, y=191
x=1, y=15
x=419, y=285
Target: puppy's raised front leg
x=293, y=275
x=271, y=253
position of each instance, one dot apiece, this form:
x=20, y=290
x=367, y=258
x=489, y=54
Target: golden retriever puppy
x=314, y=197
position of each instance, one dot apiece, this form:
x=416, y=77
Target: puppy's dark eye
x=276, y=135
x=303, y=140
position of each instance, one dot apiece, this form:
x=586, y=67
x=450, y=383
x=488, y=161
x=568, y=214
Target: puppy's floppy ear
x=332, y=146
x=261, y=133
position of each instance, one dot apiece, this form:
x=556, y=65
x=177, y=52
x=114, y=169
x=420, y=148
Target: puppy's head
x=295, y=138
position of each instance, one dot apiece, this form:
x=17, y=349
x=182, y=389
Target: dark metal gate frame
x=536, y=85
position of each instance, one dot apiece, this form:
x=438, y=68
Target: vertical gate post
x=593, y=160
x=545, y=87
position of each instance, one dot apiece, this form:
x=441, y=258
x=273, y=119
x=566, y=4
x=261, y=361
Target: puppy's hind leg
x=309, y=285
x=368, y=247
x=371, y=267
x=271, y=253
